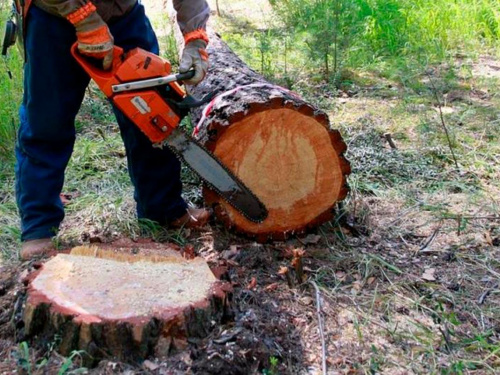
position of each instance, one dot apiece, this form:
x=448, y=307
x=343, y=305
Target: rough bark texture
x=66, y=303
x=281, y=147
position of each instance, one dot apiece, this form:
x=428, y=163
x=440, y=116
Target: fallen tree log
x=127, y=303
x=280, y=146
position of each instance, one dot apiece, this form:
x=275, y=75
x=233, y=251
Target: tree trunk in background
x=280, y=146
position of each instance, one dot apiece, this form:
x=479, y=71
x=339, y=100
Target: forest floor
x=408, y=272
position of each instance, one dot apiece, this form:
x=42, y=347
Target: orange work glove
x=97, y=43
x=94, y=38
x=195, y=56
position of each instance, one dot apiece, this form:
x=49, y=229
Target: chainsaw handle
x=99, y=75
x=185, y=76
x=90, y=67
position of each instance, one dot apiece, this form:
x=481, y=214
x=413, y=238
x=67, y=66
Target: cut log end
x=279, y=145
x=128, y=310
x=290, y=161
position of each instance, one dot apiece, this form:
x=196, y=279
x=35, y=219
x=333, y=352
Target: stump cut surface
x=104, y=289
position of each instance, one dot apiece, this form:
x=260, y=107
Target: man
x=54, y=87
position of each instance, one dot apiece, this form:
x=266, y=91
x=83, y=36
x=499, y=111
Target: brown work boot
x=36, y=248
x=194, y=218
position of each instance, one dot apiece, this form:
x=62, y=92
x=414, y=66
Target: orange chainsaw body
x=146, y=108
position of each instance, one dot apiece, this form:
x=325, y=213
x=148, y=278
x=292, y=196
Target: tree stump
x=280, y=146
x=125, y=305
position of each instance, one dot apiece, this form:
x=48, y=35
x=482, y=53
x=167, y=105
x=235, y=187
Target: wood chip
x=310, y=239
x=306, y=300
x=252, y=284
x=231, y=253
x=357, y=285
x=228, y=336
x=341, y=275
x=487, y=237
x=271, y=287
x=429, y=274
x=188, y=252
x=66, y=198
x=149, y=365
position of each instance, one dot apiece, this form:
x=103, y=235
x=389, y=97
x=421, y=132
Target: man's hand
x=195, y=56
x=97, y=43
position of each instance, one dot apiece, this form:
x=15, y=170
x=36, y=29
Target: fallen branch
x=484, y=295
x=389, y=140
x=320, y=327
x=440, y=107
x=425, y=247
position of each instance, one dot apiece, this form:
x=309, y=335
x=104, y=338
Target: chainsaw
x=141, y=85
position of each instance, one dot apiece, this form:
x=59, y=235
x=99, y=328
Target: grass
x=11, y=94
x=29, y=364
x=324, y=40
x=402, y=197
x=10, y=97
x=10, y=89
x=399, y=322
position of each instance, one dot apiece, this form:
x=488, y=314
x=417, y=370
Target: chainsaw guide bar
x=202, y=162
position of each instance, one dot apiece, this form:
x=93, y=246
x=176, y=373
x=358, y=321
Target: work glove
x=195, y=56
x=97, y=43
x=93, y=36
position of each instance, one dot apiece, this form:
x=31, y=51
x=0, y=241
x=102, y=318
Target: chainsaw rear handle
x=92, y=68
x=98, y=74
x=10, y=36
x=185, y=76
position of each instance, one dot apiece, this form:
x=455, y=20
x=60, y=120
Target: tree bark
x=126, y=306
x=281, y=147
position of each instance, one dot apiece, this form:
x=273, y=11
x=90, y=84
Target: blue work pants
x=54, y=87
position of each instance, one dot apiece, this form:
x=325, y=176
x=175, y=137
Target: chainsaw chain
x=207, y=183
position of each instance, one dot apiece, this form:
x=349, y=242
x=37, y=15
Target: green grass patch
x=11, y=81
